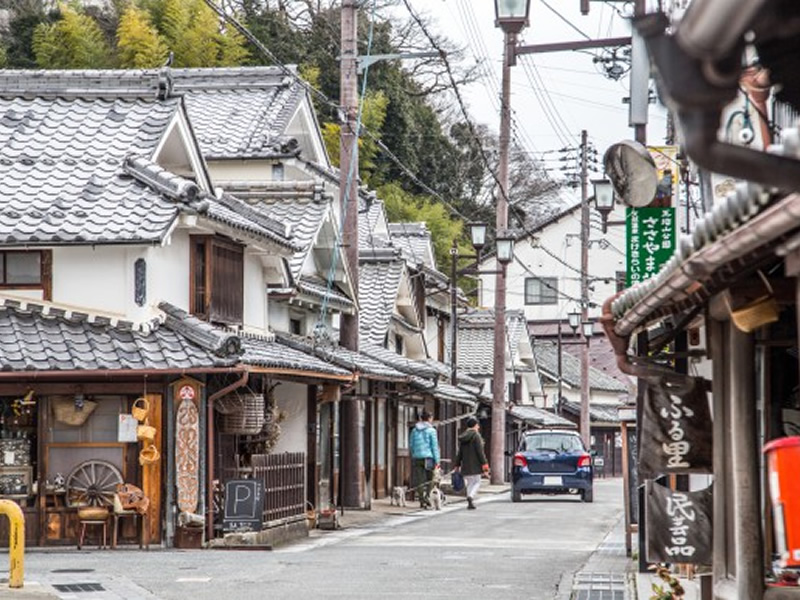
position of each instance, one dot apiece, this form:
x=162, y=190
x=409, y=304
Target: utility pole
x=498, y=440
x=585, y=427
x=348, y=195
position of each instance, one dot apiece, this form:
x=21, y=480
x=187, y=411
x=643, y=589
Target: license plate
x=552, y=480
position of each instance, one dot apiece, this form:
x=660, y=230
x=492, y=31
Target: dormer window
x=277, y=172
x=217, y=280
x=26, y=270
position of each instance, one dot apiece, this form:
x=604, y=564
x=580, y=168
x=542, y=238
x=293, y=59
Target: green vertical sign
x=651, y=241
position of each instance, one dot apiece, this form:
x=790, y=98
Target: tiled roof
x=546, y=353
x=445, y=391
x=226, y=210
x=219, y=341
x=540, y=417
x=366, y=366
x=476, y=339
x=445, y=372
x=409, y=366
x=414, y=240
x=40, y=337
x=302, y=206
x=598, y=413
x=61, y=169
x=149, y=84
x=378, y=285
x=318, y=288
x=240, y=112
x=269, y=353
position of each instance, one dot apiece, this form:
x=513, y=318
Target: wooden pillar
x=745, y=455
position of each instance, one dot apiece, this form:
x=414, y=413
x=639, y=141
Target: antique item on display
x=140, y=409
x=149, y=455
x=92, y=483
x=187, y=455
x=72, y=410
x=16, y=481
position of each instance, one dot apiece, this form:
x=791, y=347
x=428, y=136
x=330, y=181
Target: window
x=398, y=344
x=296, y=326
x=23, y=269
x=217, y=279
x=541, y=290
x=277, y=172
x=560, y=442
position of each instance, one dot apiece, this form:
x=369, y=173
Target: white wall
x=561, y=239
x=291, y=400
x=94, y=277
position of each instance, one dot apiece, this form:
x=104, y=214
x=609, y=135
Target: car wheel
x=516, y=495
x=587, y=495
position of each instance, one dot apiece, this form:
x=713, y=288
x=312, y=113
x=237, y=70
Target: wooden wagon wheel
x=92, y=483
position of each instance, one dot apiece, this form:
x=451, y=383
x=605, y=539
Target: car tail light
x=585, y=461
x=520, y=460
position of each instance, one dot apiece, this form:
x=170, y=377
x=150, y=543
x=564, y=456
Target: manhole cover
x=72, y=571
x=78, y=587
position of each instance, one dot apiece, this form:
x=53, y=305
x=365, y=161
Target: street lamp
x=574, y=320
x=604, y=201
x=511, y=17
x=588, y=330
x=505, y=248
x=477, y=234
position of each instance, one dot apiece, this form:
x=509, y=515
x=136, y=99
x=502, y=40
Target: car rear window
x=558, y=442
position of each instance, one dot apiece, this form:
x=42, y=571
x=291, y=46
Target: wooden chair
x=140, y=520
x=92, y=518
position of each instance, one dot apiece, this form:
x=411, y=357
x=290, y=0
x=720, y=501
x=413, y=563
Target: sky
x=554, y=95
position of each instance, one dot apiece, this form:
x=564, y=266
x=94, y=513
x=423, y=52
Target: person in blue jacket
x=424, y=446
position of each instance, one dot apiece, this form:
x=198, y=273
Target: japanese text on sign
x=651, y=241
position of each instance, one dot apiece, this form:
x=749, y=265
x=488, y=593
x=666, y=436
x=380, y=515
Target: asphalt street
x=502, y=550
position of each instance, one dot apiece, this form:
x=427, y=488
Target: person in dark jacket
x=471, y=459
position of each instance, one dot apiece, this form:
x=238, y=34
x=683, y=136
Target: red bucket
x=783, y=466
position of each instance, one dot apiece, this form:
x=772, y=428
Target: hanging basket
x=145, y=433
x=149, y=455
x=64, y=410
x=248, y=421
x=140, y=409
x=230, y=405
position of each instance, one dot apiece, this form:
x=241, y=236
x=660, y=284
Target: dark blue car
x=551, y=462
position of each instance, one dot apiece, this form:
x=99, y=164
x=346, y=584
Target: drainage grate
x=599, y=586
x=78, y=587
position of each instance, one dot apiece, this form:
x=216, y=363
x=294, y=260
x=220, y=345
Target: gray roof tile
x=405, y=365
x=546, y=353
x=414, y=240
x=539, y=417
x=266, y=352
x=366, y=366
x=61, y=170
x=598, y=413
x=33, y=339
x=378, y=285
x=240, y=112
x=476, y=339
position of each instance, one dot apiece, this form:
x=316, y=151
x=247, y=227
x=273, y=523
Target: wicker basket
x=149, y=455
x=759, y=312
x=249, y=421
x=65, y=412
x=140, y=409
x=145, y=432
x=230, y=404
x=93, y=513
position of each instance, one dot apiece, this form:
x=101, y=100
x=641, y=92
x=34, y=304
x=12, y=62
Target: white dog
x=399, y=495
x=438, y=499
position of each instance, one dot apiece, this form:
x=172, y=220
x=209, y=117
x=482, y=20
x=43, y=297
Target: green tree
x=75, y=41
x=372, y=117
x=404, y=207
x=139, y=45
x=25, y=16
x=193, y=33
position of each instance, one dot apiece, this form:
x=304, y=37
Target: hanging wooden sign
x=187, y=444
x=679, y=525
x=676, y=429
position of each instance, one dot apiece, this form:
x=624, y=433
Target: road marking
x=382, y=539
x=193, y=579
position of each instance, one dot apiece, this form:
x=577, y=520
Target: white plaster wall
x=240, y=170
x=561, y=239
x=168, y=277
x=94, y=278
x=291, y=400
x=256, y=317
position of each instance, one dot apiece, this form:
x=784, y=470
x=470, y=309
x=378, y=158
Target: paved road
x=502, y=550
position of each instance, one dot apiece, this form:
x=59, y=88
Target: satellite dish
x=633, y=172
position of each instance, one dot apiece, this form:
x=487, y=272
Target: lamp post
x=511, y=17
x=604, y=201
x=477, y=234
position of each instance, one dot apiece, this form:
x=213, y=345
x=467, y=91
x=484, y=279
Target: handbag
x=457, y=481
